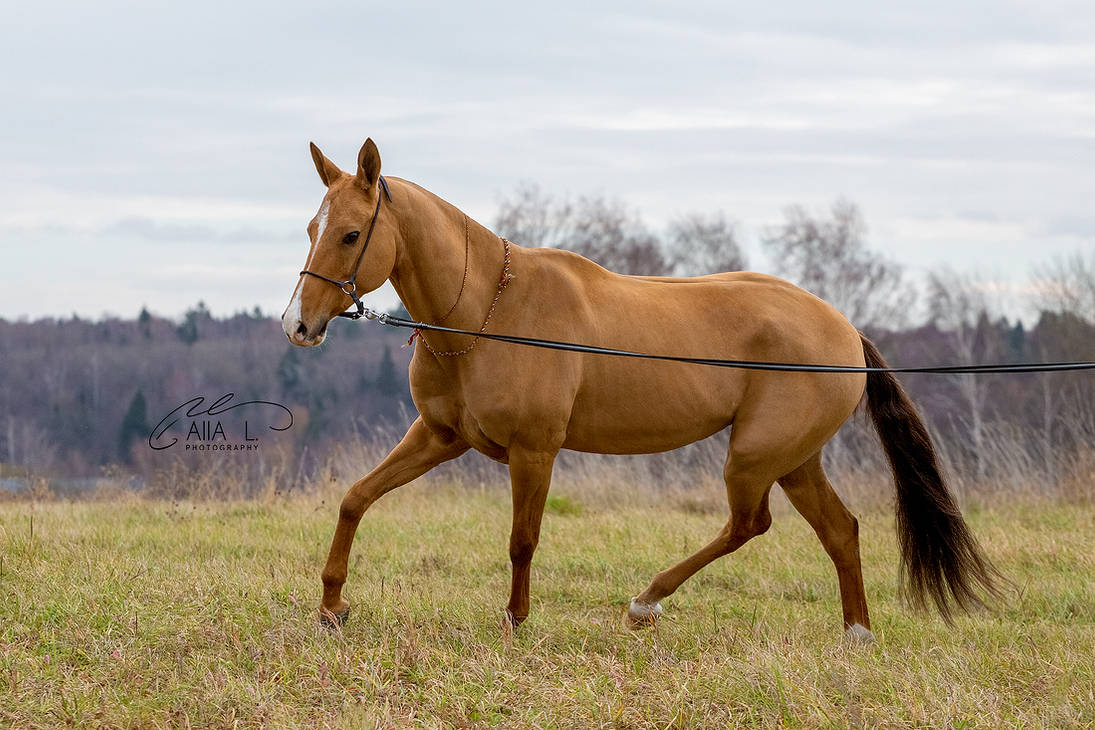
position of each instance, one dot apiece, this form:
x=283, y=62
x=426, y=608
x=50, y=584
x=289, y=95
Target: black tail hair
x=940, y=558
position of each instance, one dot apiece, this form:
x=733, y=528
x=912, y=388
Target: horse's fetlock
x=659, y=588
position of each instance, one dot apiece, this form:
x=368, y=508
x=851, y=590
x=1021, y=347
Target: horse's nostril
x=302, y=330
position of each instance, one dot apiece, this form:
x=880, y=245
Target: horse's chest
x=494, y=399
x=477, y=437
x=479, y=429
x=477, y=422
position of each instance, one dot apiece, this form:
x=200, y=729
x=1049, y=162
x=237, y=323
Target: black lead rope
x=349, y=288
x=740, y=364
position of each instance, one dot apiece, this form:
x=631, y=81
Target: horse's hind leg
x=747, y=490
x=420, y=450
x=813, y=496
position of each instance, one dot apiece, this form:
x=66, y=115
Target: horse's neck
x=429, y=274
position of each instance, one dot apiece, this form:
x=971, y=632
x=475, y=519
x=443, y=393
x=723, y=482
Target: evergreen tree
x=289, y=370
x=1017, y=342
x=188, y=330
x=387, y=380
x=134, y=426
x=144, y=322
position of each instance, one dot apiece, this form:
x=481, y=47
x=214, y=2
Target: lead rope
x=1045, y=367
x=503, y=282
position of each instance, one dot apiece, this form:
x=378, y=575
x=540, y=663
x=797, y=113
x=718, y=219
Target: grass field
x=133, y=613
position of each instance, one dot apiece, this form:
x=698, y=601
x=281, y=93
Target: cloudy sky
x=157, y=154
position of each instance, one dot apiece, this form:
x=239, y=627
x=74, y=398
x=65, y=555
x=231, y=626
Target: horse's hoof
x=642, y=615
x=333, y=620
x=859, y=634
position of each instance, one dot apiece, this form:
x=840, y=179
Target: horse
x=520, y=406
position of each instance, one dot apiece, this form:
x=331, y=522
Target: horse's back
x=729, y=311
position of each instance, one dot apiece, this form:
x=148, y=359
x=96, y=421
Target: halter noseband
x=349, y=286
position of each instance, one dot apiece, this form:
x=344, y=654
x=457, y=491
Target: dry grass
x=138, y=613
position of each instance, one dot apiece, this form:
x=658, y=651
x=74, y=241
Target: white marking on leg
x=859, y=634
x=644, y=611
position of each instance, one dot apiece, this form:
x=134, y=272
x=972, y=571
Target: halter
x=349, y=286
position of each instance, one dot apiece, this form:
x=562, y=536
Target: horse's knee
x=521, y=549
x=351, y=509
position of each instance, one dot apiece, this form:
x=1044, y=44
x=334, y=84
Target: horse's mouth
x=302, y=338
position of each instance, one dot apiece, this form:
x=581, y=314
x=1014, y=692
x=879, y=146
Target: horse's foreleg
x=530, y=476
x=749, y=517
x=813, y=496
x=420, y=450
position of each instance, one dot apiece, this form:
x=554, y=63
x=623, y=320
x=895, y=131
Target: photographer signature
x=195, y=408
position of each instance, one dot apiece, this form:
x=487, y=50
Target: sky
x=157, y=154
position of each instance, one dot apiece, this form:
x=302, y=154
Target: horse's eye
x=351, y=237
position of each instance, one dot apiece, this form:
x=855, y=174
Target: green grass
x=131, y=613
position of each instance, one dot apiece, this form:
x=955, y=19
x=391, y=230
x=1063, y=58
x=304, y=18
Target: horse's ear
x=368, y=164
x=328, y=171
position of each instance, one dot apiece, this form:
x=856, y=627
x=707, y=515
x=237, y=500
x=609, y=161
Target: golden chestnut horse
x=520, y=405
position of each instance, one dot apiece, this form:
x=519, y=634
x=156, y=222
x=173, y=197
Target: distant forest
x=79, y=395
x=78, y=398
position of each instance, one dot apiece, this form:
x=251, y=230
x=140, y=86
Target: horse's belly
x=652, y=407
x=635, y=441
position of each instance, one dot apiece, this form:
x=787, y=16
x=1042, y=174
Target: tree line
x=79, y=396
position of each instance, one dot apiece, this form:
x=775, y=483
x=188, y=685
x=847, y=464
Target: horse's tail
x=940, y=558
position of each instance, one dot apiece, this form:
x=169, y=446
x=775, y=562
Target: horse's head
x=338, y=232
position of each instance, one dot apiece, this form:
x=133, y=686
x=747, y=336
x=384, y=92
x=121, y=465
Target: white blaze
x=291, y=319
x=321, y=220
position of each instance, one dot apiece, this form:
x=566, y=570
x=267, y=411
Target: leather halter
x=349, y=286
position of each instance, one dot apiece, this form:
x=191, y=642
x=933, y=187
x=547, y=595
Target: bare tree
x=703, y=244
x=607, y=232
x=960, y=305
x=1067, y=284
x=603, y=230
x=1064, y=289
x=533, y=217
x=831, y=259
